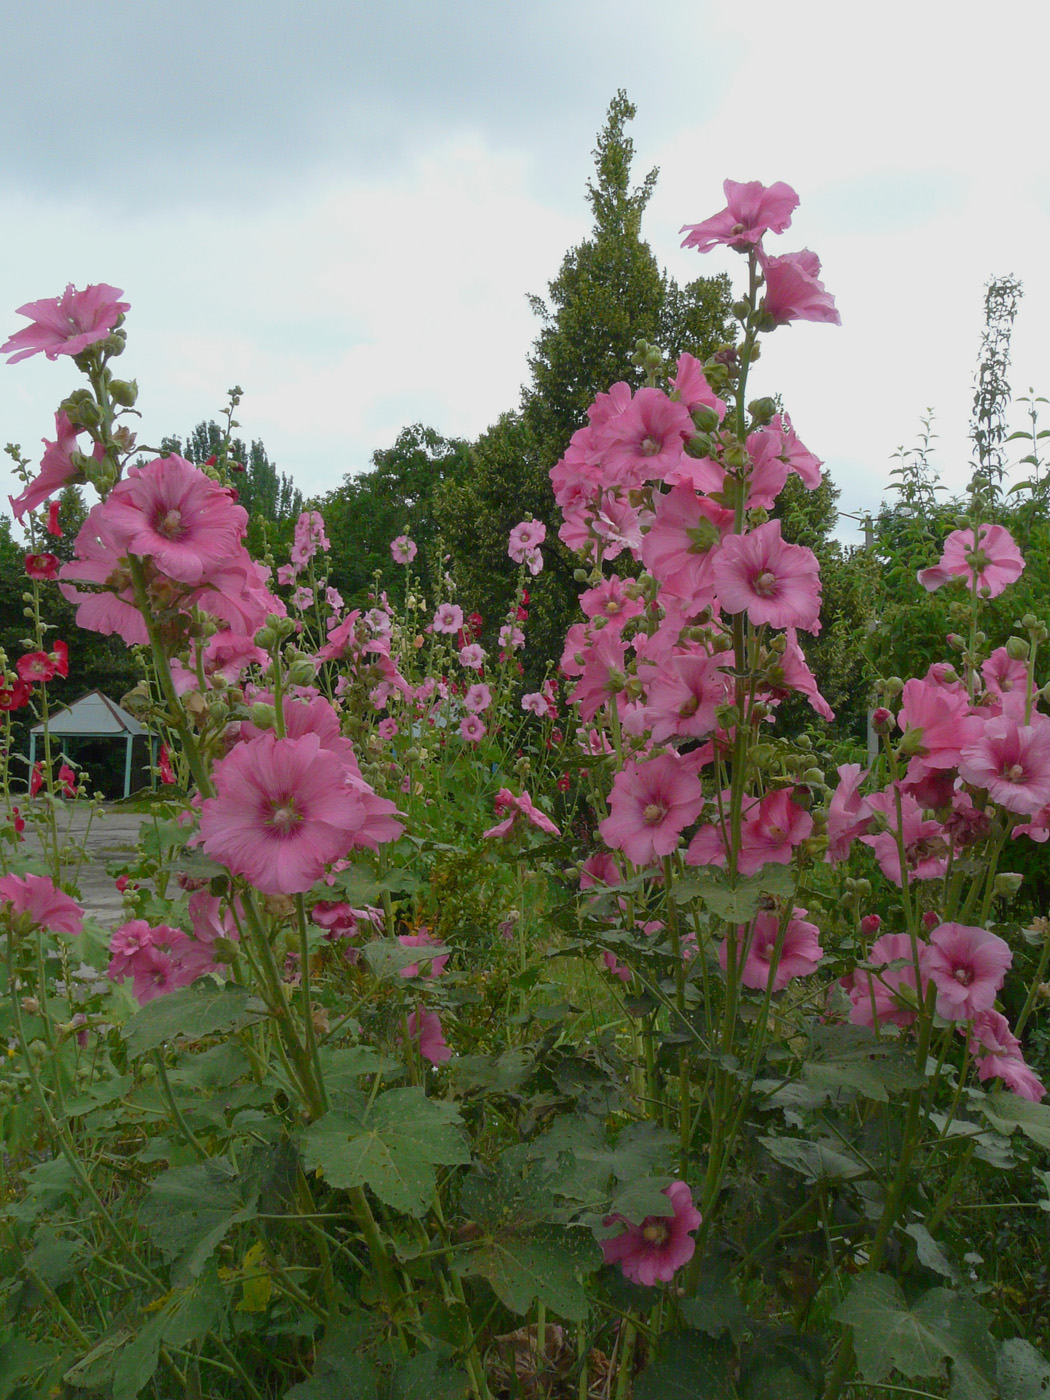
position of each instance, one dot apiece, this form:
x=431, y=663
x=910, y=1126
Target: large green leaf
x=688, y=1367
x=736, y=903
x=1007, y=1111
x=191, y=1208
x=192, y=1013
x=392, y=1147
x=542, y=1264
x=1023, y=1372
x=341, y=1372
x=941, y=1325
x=817, y=1161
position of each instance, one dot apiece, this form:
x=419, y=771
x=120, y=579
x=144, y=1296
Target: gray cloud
x=216, y=100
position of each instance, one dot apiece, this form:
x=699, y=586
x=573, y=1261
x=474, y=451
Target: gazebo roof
x=94, y=715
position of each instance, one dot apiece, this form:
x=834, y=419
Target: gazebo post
x=32, y=754
x=127, y=766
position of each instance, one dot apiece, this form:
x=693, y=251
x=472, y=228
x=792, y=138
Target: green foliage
x=397, y=497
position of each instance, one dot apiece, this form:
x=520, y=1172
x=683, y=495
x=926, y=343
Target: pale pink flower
x=751, y=210
x=650, y=805
x=425, y=1028
x=1011, y=761
x=387, y=728
x=46, y=906
x=284, y=810
x=522, y=806
x=617, y=969
x=472, y=729
x=988, y=555
x=991, y=1032
x=334, y=599
x=794, y=291
x=800, y=951
x=472, y=656
x=657, y=1248
x=534, y=559
x=849, y=815
x=478, y=698
x=534, y=703
x=939, y=720
x=603, y=674
x=798, y=677
x=692, y=386
x=448, y=618
x=525, y=537
x=926, y=845
x=967, y=965
x=286, y=575
x=611, y=601
x=68, y=324
x=56, y=467
x=887, y=995
x=684, y=696
x=770, y=580
x=403, y=549
x=302, y=599
x=511, y=637
x=646, y=440
x=309, y=537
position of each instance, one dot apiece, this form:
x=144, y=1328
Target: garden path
x=111, y=834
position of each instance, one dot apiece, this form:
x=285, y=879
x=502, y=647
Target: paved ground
x=112, y=834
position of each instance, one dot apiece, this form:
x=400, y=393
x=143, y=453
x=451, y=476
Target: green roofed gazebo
x=95, y=716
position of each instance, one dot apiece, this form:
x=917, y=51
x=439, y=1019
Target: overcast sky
x=342, y=207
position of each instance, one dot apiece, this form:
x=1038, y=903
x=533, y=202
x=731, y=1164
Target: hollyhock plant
x=1011, y=761
x=886, y=996
x=794, y=291
x=281, y=814
x=42, y=566
x=986, y=555
x=967, y=965
x=424, y=1027
x=800, y=951
x=646, y=440
x=309, y=537
x=991, y=1033
x=472, y=656
x=769, y=579
x=57, y=469
x=752, y=210
x=403, y=549
x=478, y=698
x=472, y=729
x=68, y=324
x=53, y=527
x=37, y=897
x=650, y=805
x=654, y=1250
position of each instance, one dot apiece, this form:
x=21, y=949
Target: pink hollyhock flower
x=940, y=723
x=36, y=778
x=650, y=805
x=68, y=324
x=797, y=676
x=172, y=512
x=67, y=780
x=617, y=969
x=56, y=469
x=472, y=656
x=800, y=952
x=36, y=668
x=751, y=210
x=425, y=1028
x=525, y=537
x=799, y=459
x=611, y=601
x=991, y=1032
x=988, y=555
x=448, y=618
x=309, y=538
x=534, y=704
x=281, y=814
x=680, y=548
x=45, y=905
x=926, y=845
x=403, y=549
x=423, y=939
x=1011, y=761
x=334, y=599
x=770, y=580
x=478, y=698
x=684, y=696
x=1004, y=675
x=646, y=440
x=511, y=637
x=657, y=1248
x=692, y=387
x=886, y=996
x=164, y=768
x=42, y=566
x=302, y=599
x=771, y=831
x=794, y=291
x=286, y=575
x=967, y=965
x=522, y=806
x=472, y=729
x=387, y=728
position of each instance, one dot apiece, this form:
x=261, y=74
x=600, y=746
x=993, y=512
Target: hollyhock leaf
x=642, y=1197
x=716, y=1308
x=388, y=959
x=689, y=1366
x=97, y=1095
x=916, y=1340
x=817, y=1161
x=191, y=1013
x=929, y=1252
x=341, y=1370
x=1006, y=1112
x=191, y=1208
x=1022, y=1372
x=540, y=1266
x=492, y=1074
x=736, y=904
x=392, y=1148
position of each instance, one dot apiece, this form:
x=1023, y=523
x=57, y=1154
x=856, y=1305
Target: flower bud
x=705, y=418
x=124, y=392
x=930, y=919
x=740, y=309
x=813, y=775
x=302, y=672
x=1017, y=649
x=871, y=923
x=265, y=638
x=912, y=743
x=762, y=411
x=882, y=720
x=892, y=687
x=1007, y=883
x=263, y=716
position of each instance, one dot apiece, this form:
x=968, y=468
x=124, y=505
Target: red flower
x=67, y=780
x=42, y=566
x=36, y=780
x=167, y=773
x=13, y=697
x=36, y=666
x=53, y=527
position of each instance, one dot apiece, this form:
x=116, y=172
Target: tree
x=608, y=295
x=395, y=498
